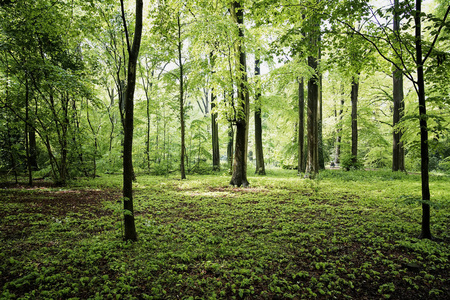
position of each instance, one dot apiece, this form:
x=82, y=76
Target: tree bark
x=133, y=52
x=239, y=177
x=312, y=166
x=354, y=99
x=260, y=167
x=301, y=127
x=214, y=127
x=398, y=152
x=424, y=158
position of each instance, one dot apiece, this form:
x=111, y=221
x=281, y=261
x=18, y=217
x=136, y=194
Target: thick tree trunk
x=128, y=174
x=239, y=177
x=301, y=127
x=398, y=153
x=215, y=136
x=33, y=147
x=354, y=99
x=260, y=168
x=214, y=127
x=424, y=158
x=312, y=166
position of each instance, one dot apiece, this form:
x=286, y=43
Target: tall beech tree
x=260, y=167
x=239, y=176
x=301, y=126
x=354, y=115
x=214, y=124
x=398, y=151
x=401, y=51
x=133, y=54
x=312, y=164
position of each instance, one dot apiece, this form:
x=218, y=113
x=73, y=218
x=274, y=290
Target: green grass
x=344, y=235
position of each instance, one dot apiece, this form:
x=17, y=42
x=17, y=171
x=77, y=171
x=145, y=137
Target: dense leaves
x=343, y=235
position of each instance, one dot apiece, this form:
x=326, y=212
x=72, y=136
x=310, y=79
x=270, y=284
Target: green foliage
x=346, y=233
x=350, y=162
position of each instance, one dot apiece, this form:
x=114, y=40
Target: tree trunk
x=398, y=152
x=424, y=158
x=128, y=174
x=214, y=127
x=33, y=147
x=320, y=135
x=239, y=177
x=183, y=139
x=338, y=134
x=301, y=126
x=354, y=99
x=230, y=147
x=260, y=168
x=312, y=166
x=27, y=129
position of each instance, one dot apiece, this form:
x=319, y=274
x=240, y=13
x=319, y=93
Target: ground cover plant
x=343, y=235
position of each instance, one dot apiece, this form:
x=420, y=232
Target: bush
x=348, y=162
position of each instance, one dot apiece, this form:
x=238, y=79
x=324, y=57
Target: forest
x=224, y=149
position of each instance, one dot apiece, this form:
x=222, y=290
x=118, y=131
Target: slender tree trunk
x=424, y=158
x=230, y=147
x=338, y=134
x=398, y=153
x=128, y=174
x=260, y=167
x=354, y=99
x=301, y=126
x=183, y=142
x=214, y=126
x=239, y=177
x=148, y=87
x=320, y=147
x=27, y=129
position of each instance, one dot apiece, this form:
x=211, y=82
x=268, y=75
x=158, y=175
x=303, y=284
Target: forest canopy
x=63, y=69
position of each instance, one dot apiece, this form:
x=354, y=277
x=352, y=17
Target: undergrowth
x=343, y=235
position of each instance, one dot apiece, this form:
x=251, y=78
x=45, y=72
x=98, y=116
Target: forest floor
x=346, y=235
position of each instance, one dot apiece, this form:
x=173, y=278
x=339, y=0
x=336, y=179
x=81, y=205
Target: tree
x=239, y=176
x=398, y=152
x=312, y=164
x=301, y=126
x=133, y=54
x=401, y=52
x=214, y=125
x=260, y=167
x=354, y=101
